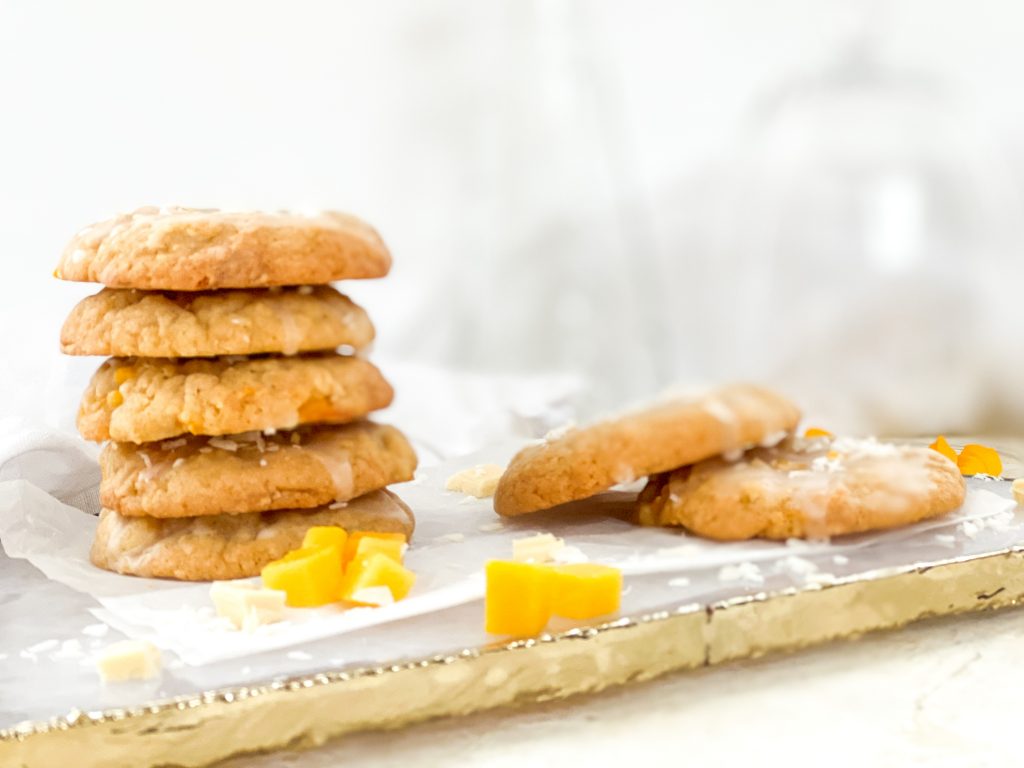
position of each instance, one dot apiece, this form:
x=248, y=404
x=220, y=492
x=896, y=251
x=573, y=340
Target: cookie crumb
x=1018, y=491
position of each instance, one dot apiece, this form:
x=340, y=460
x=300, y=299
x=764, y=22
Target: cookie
x=140, y=400
x=191, y=476
x=805, y=489
x=220, y=547
x=579, y=463
x=128, y=323
x=184, y=249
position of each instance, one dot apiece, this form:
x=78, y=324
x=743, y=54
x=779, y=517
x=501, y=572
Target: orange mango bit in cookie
x=585, y=590
x=352, y=545
x=325, y=536
x=942, y=446
x=309, y=577
x=114, y=399
x=518, y=598
x=817, y=432
x=317, y=409
x=377, y=570
x=979, y=460
x=123, y=374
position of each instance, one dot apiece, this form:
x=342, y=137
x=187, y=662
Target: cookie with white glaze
x=129, y=323
x=805, y=488
x=141, y=400
x=231, y=546
x=579, y=463
x=252, y=472
x=187, y=249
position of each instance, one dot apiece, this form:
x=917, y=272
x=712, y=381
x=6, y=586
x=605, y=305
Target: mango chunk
x=377, y=570
x=585, y=590
x=979, y=460
x=309, y=577
x=518, y=598
x=374, y=545
x=325, y=536
x=356, y=536
x=942, y=446
x=817, y=432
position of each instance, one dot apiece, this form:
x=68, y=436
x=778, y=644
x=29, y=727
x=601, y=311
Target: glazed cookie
x=231, y=546
x=184, y=249
x=579, y=463
x=805, y=489
x=127, y=323
x=140, y=400
x=191, y=476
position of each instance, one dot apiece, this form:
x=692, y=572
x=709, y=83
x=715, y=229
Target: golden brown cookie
x=582, y=462
x=140, y=400
x=805, y=489
x=191, y=476
x=231, y=546
x=183, y=249
x=128, y=323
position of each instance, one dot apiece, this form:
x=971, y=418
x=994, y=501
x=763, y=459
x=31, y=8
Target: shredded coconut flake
x=177, y=463
x=170, y=445
x=223, y=444
x=741, y=572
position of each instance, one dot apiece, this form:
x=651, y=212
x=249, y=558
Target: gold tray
x=306, y=711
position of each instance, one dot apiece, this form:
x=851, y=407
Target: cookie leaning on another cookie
x=583, y=462
x=184, y=249
x=805, y=489
x=309, y=467
x=140, y=400
x=231, y=546
x=129, y=323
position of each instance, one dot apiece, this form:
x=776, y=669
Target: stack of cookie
x=234, y=397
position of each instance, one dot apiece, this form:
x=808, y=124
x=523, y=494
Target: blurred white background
x=820, y=195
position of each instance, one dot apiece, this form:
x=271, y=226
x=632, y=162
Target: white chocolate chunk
x=379, y=595
x=479, y=481
x=542, y=548
x=128, y=660
x=245, y=605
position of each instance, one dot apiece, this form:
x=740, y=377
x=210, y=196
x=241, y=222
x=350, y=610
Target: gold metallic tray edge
x=306, y=711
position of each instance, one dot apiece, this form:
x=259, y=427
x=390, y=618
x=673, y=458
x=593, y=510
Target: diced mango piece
x=979, y=460
x=374, y=545
x=518, y=598
x=377, y=570
x=354, y=538
x=325, y=536
x=585, y=590
x=817, y=432
x=942, y=446
x=309, y=577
